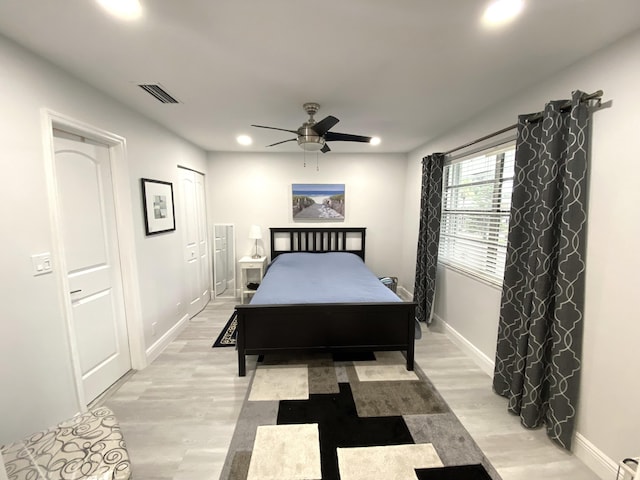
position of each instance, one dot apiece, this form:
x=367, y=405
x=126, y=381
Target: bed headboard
x=317, y=240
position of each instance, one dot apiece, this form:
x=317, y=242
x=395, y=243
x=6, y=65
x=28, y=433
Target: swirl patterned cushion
x=89, y=446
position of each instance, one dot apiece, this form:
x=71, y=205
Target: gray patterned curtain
x=540, y=331
x=428, y=235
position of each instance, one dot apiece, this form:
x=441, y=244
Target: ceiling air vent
x=158, y=92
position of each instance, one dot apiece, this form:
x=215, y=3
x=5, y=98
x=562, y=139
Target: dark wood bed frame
x=334, y=327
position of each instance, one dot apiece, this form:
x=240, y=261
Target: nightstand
x=251, y=270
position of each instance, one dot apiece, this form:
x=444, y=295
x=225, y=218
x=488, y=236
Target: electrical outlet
x=153, y=328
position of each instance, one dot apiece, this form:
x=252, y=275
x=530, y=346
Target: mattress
x=333, y=277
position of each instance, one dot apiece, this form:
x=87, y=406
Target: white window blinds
x=476, y=205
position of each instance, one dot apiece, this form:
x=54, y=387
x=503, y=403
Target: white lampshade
x=255, y=233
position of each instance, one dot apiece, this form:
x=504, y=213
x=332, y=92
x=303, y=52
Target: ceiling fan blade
x=276, y=128
x=345, y=137
x=283, y=141
x=324, y=125
x=325, y=148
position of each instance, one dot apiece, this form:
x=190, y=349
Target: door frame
x=125, y=233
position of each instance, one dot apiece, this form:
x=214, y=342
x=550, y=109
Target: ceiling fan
x=312, y=135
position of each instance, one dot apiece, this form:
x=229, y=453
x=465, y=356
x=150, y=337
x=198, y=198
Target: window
x=476, y=204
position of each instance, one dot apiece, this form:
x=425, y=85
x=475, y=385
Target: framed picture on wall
x=318, y=201
x=159, y=213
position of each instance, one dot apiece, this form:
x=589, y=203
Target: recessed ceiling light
x=244, y=139
x=124, y=9
x=375, y=141
x=502, y=11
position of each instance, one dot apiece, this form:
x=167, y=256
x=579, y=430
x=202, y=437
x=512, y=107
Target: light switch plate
x=41, y=263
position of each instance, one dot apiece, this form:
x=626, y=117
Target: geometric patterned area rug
x=315, y=416
x=227, y=337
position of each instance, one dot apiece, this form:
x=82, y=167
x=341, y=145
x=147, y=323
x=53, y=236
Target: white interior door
x=196, y=255
x=90, y=244
x=220, y=260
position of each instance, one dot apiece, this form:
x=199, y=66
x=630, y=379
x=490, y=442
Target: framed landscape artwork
x=318, y=201
x=157, y=198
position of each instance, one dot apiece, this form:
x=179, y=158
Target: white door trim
x=126, y=238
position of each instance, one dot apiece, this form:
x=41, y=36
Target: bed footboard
x=352, y=327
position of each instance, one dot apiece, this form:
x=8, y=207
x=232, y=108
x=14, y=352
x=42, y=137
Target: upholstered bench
x=88, y=446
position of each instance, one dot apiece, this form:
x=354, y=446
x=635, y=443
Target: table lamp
x=255, y=234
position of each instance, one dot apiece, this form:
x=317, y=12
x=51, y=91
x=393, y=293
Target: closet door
x=195, y=244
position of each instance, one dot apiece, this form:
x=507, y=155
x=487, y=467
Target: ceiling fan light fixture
x=374, y=141
x=311, y=145
x=309, y=140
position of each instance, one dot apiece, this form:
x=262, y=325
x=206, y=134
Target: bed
x=291, y=312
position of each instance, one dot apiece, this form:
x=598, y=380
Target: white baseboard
x=594, y=458
x=485, y=363
x=587, y=452
x=404, y=294
x=156, y=349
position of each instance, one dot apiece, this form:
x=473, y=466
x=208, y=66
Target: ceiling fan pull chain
x=317, y=166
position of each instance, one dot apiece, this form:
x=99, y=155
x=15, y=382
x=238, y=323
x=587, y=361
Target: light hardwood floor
x=178, y=415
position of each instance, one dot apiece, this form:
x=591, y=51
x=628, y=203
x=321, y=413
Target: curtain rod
x=535, y=117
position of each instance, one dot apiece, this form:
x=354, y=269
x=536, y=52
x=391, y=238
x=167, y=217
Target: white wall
x=36, y=381
x=607, y=416
x=256, y=188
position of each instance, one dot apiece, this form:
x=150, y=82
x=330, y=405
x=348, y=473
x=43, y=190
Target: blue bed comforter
x=334, y=277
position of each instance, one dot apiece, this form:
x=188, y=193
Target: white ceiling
x=403, y=70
